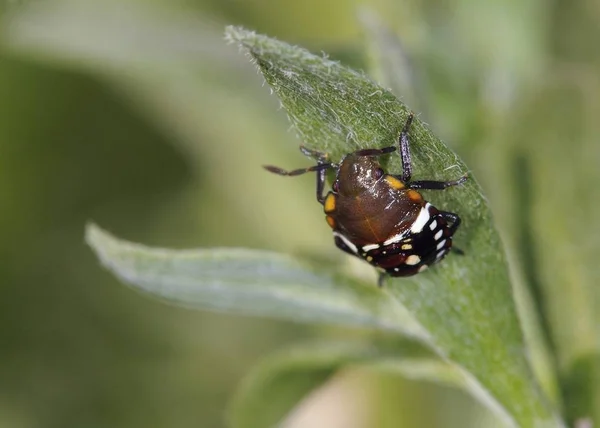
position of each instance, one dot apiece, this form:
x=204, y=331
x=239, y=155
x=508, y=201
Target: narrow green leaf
x=390, y=63
x=465, y=303
x=565, y=243
x=249, y=282
x=280, y=382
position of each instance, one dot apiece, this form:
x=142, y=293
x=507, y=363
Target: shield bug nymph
x=379, y=217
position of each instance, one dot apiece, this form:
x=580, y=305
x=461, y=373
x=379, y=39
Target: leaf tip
x=99, y=241
x=92, y=233
x=237, y=34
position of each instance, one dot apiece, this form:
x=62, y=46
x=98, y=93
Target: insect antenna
x=300, y=171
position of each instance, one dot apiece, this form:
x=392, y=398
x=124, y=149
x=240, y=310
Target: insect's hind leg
x=455, y=221
x=452, y=218
x=382, y=276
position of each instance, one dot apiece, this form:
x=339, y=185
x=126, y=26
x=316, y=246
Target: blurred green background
x=137, y=115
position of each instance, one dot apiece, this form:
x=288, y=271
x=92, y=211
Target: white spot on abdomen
x=413, y=259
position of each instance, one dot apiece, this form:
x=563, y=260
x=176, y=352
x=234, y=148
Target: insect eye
x=379, y=173
x=336, y=186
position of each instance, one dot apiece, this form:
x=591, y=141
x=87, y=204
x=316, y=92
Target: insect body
x=380, y=217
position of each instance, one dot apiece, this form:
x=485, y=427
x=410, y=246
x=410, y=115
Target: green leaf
x=465, y=303
x=280, y=382
x=250, y=282
x=565, y=243
x=390, y=63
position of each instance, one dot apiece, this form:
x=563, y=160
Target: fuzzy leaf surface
x=249, y=282
x=465, y=303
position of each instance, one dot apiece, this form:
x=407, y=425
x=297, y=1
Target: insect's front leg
x=407, y=165
x=321, y=172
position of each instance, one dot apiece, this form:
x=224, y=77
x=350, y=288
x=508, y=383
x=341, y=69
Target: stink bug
x=379, y=217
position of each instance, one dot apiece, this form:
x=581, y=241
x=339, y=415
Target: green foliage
x=284, y=379
x=463, y=308
x=515, y=90
x=249, y=282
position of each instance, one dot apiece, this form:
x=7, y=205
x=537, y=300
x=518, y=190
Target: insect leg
x=405, y=150
x=382, y=276
x=319, y=156
x=437, y=185
x=321, y=173
x=451, y=218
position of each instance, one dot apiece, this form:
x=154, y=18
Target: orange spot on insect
x=330, y=221
x=415, y=196
x=330, y=203
x=394, y=182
